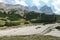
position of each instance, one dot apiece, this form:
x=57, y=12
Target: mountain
x=18, y=5
x=45, y=9
x=26, y=7
x=34, y=8
x=21, y=8
x=9, y=7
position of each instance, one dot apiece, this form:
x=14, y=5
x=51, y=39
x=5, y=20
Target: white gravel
x=30, y=30
x=54, y=32
x=22, y=31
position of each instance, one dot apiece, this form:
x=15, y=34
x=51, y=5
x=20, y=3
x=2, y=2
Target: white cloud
x=36, y=2
x=45, y=1
x=21, y=2
x=56, y=5
x=57, y=12
x=1, y=0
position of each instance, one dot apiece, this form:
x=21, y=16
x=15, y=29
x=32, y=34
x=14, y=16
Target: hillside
x=9, y=7
x=13, y=14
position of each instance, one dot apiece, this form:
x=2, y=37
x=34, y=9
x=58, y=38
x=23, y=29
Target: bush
x=22, y=20
x=35, y=21
x=2, y=23
x=58, y=27
x=12, y=23
x=27, y=22
x=58, y=21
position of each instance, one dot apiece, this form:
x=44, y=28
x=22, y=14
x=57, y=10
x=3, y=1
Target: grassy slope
x=34, y=37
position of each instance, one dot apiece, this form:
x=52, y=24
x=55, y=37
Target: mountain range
x=54, y=4
x=44, y=9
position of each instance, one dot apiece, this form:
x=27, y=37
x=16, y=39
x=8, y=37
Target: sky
x=54, y=4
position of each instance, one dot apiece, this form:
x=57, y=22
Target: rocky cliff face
x=46, y=9
x=8, y=7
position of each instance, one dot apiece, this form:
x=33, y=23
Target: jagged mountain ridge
x=9, y=7
x=44, y=9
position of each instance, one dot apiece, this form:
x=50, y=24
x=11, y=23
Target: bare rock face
x=46, y=9
x=34, y=8
x=9, y=7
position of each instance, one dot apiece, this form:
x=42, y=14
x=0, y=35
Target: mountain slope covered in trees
x=12, y=16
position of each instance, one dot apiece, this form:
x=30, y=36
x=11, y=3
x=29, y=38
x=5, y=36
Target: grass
x=31, y=37
x=22, y=25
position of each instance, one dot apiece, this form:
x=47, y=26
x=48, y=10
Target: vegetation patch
x=58, y=27
x=13, y=18
x=31, y=37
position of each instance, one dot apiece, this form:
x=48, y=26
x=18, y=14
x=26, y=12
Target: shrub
x=27, y=22
x=22, y=21
x=58, y=21
x=33, y=19
x=2, y=23
x=58, y=27
x=12, y=23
